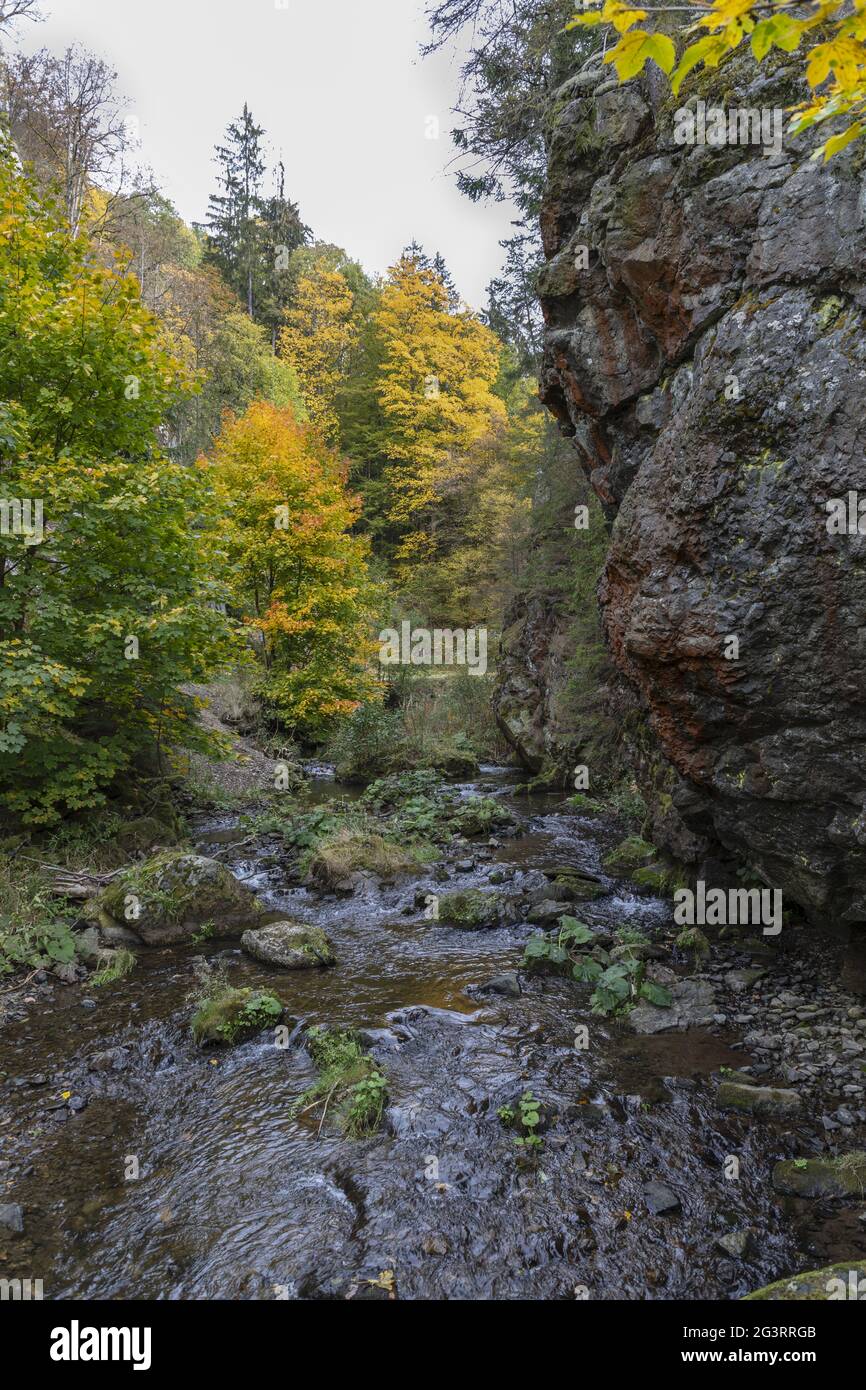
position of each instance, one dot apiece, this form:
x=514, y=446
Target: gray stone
x=290, y=945
x=507, y=984
x=758, y=1100
x=12, y=1217
x=660, y=1200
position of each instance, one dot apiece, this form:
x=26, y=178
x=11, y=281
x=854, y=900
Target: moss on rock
x=174, y=895
x=831, y=1283
x=473, y=910
x=226, y=1015
x=291, y=945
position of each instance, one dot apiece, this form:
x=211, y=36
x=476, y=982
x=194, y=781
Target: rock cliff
x=707, y=351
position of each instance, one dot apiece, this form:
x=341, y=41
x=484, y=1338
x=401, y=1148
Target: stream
x=183, y=1175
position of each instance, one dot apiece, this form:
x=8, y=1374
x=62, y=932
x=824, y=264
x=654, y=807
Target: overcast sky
x=341, y=91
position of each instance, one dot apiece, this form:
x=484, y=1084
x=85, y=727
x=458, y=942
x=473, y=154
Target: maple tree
x=829, y=34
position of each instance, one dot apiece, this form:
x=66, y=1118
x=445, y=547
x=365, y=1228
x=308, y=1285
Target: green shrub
x=35, y=931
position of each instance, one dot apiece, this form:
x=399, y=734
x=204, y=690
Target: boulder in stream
x=758, y=1100
x=175, y=895
x=473, y=910
x=693, y=1004
x=843, y=1176
x=227, y=1015
x=291, y=945
x=841, y=1281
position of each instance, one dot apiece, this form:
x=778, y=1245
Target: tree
x=513, y=308
x=282, y=233
x=236, y=246
x=436, y=397
x=829, y=35
x=104, y=605
x=10, y=11
x=316, y=341
x=67, y=122
x=518, y=53
x=296, y=573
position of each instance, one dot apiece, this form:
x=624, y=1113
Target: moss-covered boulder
x=630, y=854
x=844, y=1176
x=229, y=1015
x=772, y=1101
x=173, y=896
x=658, y=878
x=835, y=1282
x=144, y=832
x=479, y=815
x=290, y=945
x=473, y=910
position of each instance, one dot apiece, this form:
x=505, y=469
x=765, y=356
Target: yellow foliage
x=834, y=64
x=316, y=341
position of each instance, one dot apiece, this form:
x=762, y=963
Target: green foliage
x=619, y=987
x=121, y=964
x=86, y=376
x=830, y=38
x=34, y=932
x=556, y=949
x=617, y=984
x=349, y=1082
x=224, y=1014
x=529, y=1118
x=526, y=1117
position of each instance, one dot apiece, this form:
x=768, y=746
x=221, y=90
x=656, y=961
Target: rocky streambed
x=698, y=1159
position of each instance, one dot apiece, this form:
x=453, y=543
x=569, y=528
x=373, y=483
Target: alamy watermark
x=846, y=516
x=22, y=516
x=738, y=125
x=423, y=646
x=729, y=907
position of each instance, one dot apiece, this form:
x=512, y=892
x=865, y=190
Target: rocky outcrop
x=710, y=364
x=531, y=698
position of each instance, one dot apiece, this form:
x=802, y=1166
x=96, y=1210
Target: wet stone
x=661, y=1200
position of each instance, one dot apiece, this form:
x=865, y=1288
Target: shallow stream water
x=185, y=1176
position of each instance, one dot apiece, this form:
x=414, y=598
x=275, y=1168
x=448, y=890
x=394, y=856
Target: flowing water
x=234, y=1198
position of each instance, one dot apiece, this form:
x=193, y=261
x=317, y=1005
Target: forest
x=426, y=750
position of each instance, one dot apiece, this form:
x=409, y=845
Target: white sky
x=341, y=91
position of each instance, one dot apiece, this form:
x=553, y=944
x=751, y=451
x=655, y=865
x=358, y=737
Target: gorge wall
x=710, y=364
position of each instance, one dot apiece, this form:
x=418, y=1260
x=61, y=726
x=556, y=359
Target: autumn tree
x=296, y=573
x=437, y=402
x=316, y=340
x=105, y=608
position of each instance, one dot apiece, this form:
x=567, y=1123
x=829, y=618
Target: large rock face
x=530, y=698
x=711, y=365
